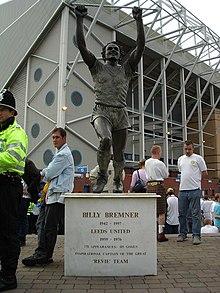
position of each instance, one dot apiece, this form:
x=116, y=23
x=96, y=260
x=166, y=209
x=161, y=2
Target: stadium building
x=174, y=96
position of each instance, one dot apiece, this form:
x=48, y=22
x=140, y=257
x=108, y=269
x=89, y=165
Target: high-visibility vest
x=13, y=149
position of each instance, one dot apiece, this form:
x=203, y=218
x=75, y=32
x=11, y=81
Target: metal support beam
x=161, y=74
x=61, y=96
x=141, y=105
x=164, y=111
x=201, y=139
x=183, y=105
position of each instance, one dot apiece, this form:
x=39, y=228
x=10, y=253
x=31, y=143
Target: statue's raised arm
x=88, y=57
x=138, y=52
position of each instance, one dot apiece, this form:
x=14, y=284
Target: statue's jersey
x=111, y=83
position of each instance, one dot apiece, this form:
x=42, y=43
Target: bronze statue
x=109, y=116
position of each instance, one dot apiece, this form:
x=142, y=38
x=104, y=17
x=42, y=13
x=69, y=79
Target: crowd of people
x=188, y=211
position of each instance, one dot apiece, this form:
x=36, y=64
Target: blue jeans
x=190, y=199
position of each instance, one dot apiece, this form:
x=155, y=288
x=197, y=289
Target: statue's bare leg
x=103, y=130
x=119, y=139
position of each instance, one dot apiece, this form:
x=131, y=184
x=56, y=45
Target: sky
x=206, y=11
x=3, y=1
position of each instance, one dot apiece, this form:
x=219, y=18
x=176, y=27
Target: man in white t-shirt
x=208, y=228
x=172, y=215
x=206, y=207
x=193, y=169
x=156, y=172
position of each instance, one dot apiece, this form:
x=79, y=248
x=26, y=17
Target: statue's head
x=112, y=51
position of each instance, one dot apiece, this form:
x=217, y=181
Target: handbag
x=139, y=186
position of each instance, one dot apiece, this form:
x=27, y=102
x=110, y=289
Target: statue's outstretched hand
x=80, y=10
x=137, y=13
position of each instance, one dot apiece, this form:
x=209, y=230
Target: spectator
x=31, y=188
x=172, y=221
x=208, y=228
x=206, y=208
x=140, y=173
x=193, y=169
x=33, y=212
x=213, y=205
x=59, y=175
x=216, y=214
x=156, y=172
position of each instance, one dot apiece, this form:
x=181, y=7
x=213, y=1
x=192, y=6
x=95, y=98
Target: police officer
x=13, y=150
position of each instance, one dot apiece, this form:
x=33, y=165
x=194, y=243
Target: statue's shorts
x=117, y=117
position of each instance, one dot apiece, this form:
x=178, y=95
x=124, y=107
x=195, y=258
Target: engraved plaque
x=110, y=235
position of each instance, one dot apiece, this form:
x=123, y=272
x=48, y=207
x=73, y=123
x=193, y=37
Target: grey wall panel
x=11, y=10
x=18, y=89
x=17, y=39
x=50, y=47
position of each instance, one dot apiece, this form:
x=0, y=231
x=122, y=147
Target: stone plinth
x=110, y=235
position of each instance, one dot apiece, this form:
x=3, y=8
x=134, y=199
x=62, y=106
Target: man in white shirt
x=208, y=228
x=206, y=207
x=193, y=169
x=172, y=215
x=156, y=171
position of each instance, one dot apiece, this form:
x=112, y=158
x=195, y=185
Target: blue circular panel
x=50, y=97
x=35, y=130
x=77, y=157
x=38, y=74
x=47, y=157
x=76, y=99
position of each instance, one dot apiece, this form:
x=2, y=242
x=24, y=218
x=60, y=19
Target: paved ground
x=182, y=267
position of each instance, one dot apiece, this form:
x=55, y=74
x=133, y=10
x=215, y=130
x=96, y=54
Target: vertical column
x=141, y=108
x=164, y=109
x=61, y=95
x=198, y=94
x=26, y=94
x=183, y=104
